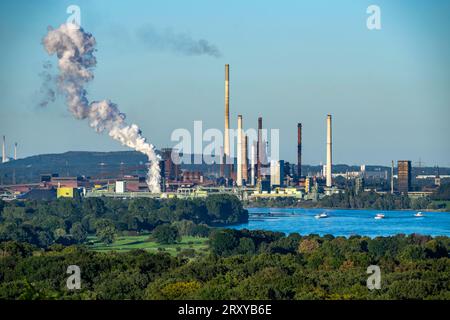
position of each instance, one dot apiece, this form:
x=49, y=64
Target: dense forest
x=70, y=221
x=242, y=265
x=39, y=240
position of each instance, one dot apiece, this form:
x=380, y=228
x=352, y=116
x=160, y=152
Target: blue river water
x=342, y=222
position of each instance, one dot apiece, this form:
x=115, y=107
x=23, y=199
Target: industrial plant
x=250, y=174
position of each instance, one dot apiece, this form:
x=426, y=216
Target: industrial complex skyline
x=388, y=98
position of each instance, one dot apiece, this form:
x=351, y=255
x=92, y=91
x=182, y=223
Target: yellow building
x=65, y=192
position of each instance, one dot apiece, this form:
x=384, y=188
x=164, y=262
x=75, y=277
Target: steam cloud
x=75, y=51
x=177, y=42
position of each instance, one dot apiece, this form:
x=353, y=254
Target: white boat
x=419, y=214
x=320, y=216
x=379, y=216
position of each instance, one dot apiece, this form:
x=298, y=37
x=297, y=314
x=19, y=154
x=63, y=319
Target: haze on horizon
x=388, y=90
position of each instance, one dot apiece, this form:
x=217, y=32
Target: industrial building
x=404, y=176
x=277, y=173
x=250, y=173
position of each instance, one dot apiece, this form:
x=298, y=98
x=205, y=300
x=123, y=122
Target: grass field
x=126, y=243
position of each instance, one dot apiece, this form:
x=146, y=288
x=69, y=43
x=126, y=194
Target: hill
x=73, y=163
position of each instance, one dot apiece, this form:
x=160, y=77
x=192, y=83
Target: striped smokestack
x=329, y=150
x=299, y=150
x=226, y=143
x=239, y=152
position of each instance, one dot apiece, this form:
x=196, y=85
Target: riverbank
x=347, y=222
x=309, y=205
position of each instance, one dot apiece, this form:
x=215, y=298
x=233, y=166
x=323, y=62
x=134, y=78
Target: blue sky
x=290, y=61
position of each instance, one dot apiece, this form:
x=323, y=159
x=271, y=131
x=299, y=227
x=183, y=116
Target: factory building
x=404, y=176
x=120, y=186
x=67, y=192
x=277, y=173
x=308, y=184
x=171, y=167
x=66, y=182
x=192, y=177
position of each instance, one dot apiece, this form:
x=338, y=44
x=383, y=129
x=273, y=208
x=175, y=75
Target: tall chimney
x=253, y=162
x=15, y=151
x=329, y=156
x=392, y=177
x=259, y=149
x=245, y=160
x=4, y=150
x=239, y=152
x=222, y=165
x=299, y=150
x=226, y=143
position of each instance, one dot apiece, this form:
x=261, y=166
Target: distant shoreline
x=340, y=208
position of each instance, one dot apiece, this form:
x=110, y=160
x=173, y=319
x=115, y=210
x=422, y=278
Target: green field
x=127, y=243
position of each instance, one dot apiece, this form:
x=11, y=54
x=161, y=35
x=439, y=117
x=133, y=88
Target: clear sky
x=291, y=61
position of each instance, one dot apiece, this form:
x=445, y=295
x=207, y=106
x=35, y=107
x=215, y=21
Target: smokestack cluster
x=299, y=150
x=329, y=156
x=75, y=49
x=226, y=142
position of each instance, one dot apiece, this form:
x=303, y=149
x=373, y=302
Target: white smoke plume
x=75, y=51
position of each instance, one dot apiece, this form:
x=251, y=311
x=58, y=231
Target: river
x=341, y=222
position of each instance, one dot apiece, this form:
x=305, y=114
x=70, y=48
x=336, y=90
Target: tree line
x=352, y=200
x=241, y=265
x=71, y=221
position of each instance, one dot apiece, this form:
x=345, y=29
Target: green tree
x=166, y=234
x=78, y=232
x=246, y=246
x=105, y=231
x=223, y=242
